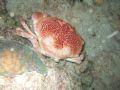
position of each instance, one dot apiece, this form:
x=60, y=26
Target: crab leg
x=19, y=31
x=22, y=21
x=77, y=60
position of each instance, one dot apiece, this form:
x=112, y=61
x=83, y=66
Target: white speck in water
x=98, y=36
x=12, y=14
x=100, y=46
x=103, y=41
x=89, y=29
x=12, y=49
x=90, y=10
x=74, y=20
x=103, y=25
x=93, y=54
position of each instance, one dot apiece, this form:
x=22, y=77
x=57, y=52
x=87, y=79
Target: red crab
x=53, y=37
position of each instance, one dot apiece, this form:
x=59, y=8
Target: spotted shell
x=62, y=34
x=16, y=58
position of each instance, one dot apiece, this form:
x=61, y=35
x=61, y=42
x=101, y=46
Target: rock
x=2, y=7
x=87, y=79
x=89, y=2
x=82, y=67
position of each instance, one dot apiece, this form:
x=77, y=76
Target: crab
x=53, y=37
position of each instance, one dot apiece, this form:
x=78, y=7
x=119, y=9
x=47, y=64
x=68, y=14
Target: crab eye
x=36, y=16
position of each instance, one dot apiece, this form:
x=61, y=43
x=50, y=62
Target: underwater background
x=98, y=23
